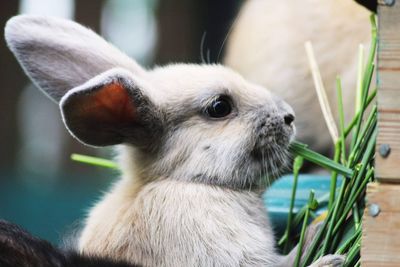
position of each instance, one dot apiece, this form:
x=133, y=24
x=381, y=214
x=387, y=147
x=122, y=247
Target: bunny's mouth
x=272, y=159
x=271, y=148
x=272, y=152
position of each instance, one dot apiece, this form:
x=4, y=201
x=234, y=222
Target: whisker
x=226, y=37
x=203, y=38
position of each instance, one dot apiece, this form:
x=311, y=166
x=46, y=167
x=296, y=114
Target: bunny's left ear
x=110, y=109
x=59, y=54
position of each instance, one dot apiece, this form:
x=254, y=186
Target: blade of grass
x=369, y=73
x=300, y=149
x=299, y=216
x=315, y=243
x=321, y=93
x=354, y=253
x=368, y=151
x=355, y=119
x=95, y=161
x=360, y=162
x=303, y=229
x=359, y=77
x=353, y=198
x=334, y=215
x=365, y=134
x=356, y=216
x=347, y=244
x=367, y=78
x=298, y=162
x=334, y=175
x=341, y=121
x=366, y=131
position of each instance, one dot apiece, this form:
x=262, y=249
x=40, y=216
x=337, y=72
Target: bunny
x=193, y=141
x=266, y=46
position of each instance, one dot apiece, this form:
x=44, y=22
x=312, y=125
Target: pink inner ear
x=112, y=104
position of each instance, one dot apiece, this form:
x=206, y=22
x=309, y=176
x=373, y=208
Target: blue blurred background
x=41, y=189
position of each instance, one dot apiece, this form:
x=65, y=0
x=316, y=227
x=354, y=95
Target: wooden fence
x=381, y=225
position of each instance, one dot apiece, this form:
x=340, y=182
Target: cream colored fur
x=191, y=196
x=158, y=215
x=267, y=47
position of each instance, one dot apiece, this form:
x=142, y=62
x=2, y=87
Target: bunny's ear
x=59, y=54
x=110, y=109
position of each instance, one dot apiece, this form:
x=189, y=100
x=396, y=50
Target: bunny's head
x=197, y=123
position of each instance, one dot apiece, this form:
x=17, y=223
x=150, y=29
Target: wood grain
x=388, y=168
x=381, y=236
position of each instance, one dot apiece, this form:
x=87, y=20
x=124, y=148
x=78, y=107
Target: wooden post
x=381, y=225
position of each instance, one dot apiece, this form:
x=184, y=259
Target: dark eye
x=219, y=108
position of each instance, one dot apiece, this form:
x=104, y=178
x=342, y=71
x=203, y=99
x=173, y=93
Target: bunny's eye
x=219, y=108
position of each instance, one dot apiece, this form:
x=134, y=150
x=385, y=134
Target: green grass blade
x=359, y=77
x=355, y=119
x=303, y=229
x=298, y=162
x=95, y=161
x=334, y=176
x=300, y=149
x=341, y=121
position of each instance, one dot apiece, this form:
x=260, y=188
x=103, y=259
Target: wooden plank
x=388, y=168
x=381, y=236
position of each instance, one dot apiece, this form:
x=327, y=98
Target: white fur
x=158, y=215
x=171, y=223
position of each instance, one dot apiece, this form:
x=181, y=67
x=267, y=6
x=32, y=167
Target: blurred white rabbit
x=266, y=46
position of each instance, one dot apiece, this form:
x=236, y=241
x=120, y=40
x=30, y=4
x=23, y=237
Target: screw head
x=374, y=210
x=389, y=2
x=384, y=150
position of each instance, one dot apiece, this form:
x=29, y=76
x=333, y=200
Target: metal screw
x=384, y=150
x=389, y=2
x=374, y=210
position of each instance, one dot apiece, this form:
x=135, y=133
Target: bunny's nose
x=289, y=118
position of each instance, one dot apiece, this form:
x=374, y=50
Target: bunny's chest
x=185, y=225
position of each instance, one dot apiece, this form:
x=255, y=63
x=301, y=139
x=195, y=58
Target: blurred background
x=41, y=189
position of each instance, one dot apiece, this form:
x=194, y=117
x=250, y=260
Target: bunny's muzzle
x=275, y=129
x=273, y=132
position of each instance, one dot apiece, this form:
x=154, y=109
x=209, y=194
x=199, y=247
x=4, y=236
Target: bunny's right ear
x=112, y=108
x=59, y=54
